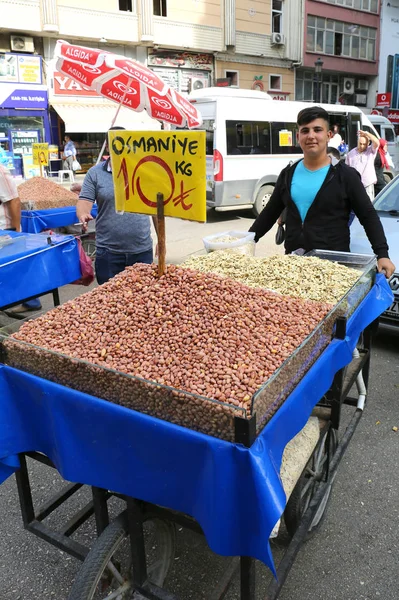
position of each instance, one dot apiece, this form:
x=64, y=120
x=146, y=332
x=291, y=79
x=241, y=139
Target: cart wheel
x=107, y=570
x=315, y=473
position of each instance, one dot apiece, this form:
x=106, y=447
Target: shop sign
x=40, y=154
x=65, y=86
x=22, y=96
x=20, y=68
x=169, y=162
x=30, y=170
x=182, y=60
x=384, y=99
x=279, y=95
x=393, y=116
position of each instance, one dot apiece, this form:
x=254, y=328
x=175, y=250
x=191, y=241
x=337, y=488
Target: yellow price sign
x=172, y=163
x=40, y=154
x=285, y=137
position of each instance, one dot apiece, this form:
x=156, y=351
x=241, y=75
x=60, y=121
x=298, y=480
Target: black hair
x=334, y=152
x=307, y=115
x=114, y=128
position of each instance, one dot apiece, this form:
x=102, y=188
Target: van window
x=388, y=134
x=280, y=127
x=208, y=126
x=377, y=128
x=247, y=137
x=259, y=137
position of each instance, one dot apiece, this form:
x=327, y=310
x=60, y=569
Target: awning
x=81, y=117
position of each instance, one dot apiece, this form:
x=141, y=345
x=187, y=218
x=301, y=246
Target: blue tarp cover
x=35, y=221
x=37, y=267
x=235, y=493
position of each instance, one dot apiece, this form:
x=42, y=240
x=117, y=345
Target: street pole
x=317, y=80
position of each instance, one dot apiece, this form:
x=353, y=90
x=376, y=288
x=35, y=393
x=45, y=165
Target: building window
x=160, y=9
x=125, y=5
x=275, y=82
x=277, y=16
x=233, y=78
x=327, y=36
x=365, y=5
x=304, y=89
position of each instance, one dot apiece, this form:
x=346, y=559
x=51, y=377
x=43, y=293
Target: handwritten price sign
x=172, y=163
x=40, y=154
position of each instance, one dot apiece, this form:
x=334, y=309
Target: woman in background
x=381, y=163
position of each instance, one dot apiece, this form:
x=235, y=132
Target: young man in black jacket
x=319, y=197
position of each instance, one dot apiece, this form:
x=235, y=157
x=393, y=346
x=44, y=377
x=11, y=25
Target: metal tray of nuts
x=214, y=414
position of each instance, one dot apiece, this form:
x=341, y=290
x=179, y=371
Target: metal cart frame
x=245, y=432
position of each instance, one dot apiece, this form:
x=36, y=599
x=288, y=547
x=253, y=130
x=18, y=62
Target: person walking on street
x=69, y=154
x=336, y=139
x=121, y=240
x=362, y=158
x=380, y=164
x=319, y=196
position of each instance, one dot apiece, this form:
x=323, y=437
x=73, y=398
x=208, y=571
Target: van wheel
x=262, y=199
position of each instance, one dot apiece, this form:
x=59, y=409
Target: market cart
x=36, y=221
x=97, y=443
x=33, y=265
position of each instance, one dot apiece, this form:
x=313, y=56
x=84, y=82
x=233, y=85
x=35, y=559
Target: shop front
x=183, y=71
x=23, y=109
x=86, y=117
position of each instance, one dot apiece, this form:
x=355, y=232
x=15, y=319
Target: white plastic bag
x=241, y=242
x=76, y=165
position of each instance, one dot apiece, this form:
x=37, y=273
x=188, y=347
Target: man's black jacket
x=326, y=225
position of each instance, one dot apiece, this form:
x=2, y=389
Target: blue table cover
x=35, y=221
x=235, y=493
x=38, y=268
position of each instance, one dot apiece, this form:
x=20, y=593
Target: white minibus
x=250, y=138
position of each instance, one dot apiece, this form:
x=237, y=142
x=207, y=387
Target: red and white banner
x=124, y=81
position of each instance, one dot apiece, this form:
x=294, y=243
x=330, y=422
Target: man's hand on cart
x=83, y=210
x=386, y=266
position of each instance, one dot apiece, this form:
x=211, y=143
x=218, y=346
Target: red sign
x=279, y=95
x=393, y=116
x=65, y=86
x=384, y=99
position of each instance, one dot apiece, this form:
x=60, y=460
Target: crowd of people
x=370, y=158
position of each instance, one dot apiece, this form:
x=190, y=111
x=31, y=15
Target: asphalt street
x=352, y=557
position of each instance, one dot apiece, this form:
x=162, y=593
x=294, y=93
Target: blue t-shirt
x=127, y=233
x=305, y=185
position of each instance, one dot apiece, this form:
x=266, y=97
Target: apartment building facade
x=343, y=36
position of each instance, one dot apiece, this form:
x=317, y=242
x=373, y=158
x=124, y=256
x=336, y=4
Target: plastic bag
x=86, y=267
x=76, y=165
x=241, y=242
x=280, y=235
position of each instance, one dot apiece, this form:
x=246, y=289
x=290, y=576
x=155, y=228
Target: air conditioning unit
x=278, y=39
x=22, y=43
x=362, y=85
x=361, y=99
x=197, y=83
x=349, y=85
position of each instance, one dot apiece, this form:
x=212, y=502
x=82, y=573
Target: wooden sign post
x=161, y=235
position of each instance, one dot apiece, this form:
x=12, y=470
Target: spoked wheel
x=316, y=474
x=107, y=571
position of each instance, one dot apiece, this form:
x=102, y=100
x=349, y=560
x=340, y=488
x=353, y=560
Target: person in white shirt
x=336, y=139
x=10, y=204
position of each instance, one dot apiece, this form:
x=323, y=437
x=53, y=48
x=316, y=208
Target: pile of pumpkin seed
x=306, y=277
